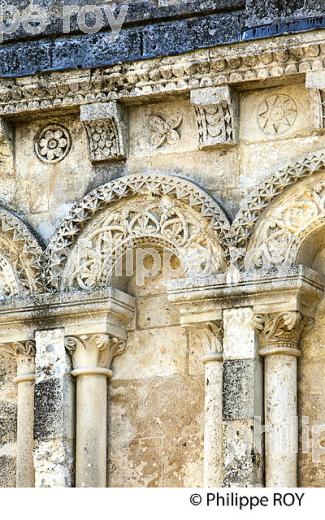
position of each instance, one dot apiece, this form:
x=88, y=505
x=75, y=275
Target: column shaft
x=281, y=438
x=25, y=475
x=54, y=412
x=213, y=430
x=91, y=449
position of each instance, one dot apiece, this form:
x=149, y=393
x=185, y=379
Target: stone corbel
x=217, y=116
x=315, y=83
x=24, y=353
x=6, y=147
x=107, y=131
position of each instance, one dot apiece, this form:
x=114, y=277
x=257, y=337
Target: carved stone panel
x=106, y=127
x=216, y=112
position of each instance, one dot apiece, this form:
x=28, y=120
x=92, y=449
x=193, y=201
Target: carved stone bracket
x=106, y=127
x=315, y=83
x=280, y=333
x=92, y=354
x=6, y=147
x=217, y=116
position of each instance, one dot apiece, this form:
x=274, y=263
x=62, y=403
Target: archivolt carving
x=280, y=236
x=20, y=257
x=158, y=209
x=260, y=198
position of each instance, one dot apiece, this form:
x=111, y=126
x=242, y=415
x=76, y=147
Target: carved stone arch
x=257, y=208
x=150, y=208
x=20, y=257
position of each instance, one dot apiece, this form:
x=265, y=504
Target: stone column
x=242, y=400
x=92, y=355
x=213, y=431
x=25, y=355
x=54, y=412
x=279, y=340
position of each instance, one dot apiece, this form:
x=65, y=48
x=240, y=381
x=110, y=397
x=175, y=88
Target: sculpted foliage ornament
x=156, y=216
x=53, y=143
x=164, y=130
x=262, y=196
x=281, y=330
x=21, y=348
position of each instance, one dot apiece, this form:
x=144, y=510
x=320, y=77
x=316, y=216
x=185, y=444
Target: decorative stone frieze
x=254, y=61
x=6, y=147
x=107, y=131
x=217, y=114
x=92, y=355
x=24, y=352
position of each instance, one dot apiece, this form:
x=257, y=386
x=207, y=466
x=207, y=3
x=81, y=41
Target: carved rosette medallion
x=277, y=114
x=52, y=144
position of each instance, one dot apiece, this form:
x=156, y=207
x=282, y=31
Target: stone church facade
x=162, y=254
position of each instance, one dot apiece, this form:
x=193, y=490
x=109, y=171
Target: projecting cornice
x=238, y=64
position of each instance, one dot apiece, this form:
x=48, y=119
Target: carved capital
x=211, y=334
x=280, y=333
x=216, y=112
x=94, y=353
x=24, y=352
x=106, y=128
x=19, y=348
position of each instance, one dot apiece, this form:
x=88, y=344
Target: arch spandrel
x=136, y=210
x=20, y=257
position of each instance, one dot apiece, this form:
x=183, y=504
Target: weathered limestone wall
x=8, y=417
x=312, y=396
x=157, y=399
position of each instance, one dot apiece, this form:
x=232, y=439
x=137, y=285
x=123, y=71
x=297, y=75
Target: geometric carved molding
x=264, y=195
x=150, y=78
x=106, y=128
x=152, y=186
x=217, y=115
x=279, y=236
x=6, y=147
x=20, y=257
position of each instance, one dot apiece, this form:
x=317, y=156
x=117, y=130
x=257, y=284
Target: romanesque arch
x=279, y=216
x=20, y=257
x=139, y=209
